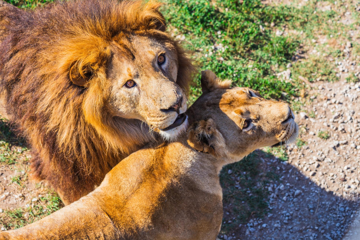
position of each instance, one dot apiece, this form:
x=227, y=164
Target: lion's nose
x=175, y=107
x=289, y=116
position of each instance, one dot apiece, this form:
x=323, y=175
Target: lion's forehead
x=150, y=45
x=239, y=97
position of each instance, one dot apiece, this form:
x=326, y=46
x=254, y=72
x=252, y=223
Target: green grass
x=312, y=114
x=300, y=143
x=352, y=78
x=279, y=152
x=17, y=180
x=20, y=217
x=324, y=135
x=29, y=3
x=235, y=41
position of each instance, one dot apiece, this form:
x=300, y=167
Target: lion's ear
x=83, y=69
x=200, y=136
x=209, y=82
x=80, y=75
x=151, y=16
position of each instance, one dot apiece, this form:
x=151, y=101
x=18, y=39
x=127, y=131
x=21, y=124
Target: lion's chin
x=172, y=134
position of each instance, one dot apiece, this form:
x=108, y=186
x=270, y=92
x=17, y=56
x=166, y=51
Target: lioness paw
x=200, y=136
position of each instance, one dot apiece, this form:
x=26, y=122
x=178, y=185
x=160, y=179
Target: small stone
x=312, y=173
x=230, y=171
x=328, y=160
x=34, y=200
x=343, y=142
x=1, y=210
x=3, y=229
x=297, y=193
x=303, y=115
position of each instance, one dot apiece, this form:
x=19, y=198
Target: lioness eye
x=247, y=125
x=130, y=84
x=161, y=59
x=252, y=94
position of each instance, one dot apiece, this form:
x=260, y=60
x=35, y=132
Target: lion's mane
x=74, y=140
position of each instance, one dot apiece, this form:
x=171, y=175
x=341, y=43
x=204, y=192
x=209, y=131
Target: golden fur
x=63, y=75
x=172, y=191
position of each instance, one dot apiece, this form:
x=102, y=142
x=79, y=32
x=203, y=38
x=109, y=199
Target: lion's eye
x=161, y=59
x=130, y=84
x=247, y=125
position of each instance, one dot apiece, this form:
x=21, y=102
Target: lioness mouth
x=178, y=121
x=289, y=134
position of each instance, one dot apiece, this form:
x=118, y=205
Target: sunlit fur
x=170, y=191
x=171, y=135
x=74, y=138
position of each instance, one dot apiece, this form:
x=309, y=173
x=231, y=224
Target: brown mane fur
x=75, y=142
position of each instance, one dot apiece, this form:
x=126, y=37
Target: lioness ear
x=80, y=75
x=200, y=136
x=209, y=82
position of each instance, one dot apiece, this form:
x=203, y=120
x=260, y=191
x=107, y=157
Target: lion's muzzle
x=290, y=130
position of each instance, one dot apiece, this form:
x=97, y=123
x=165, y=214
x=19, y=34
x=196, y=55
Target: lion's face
x=143, y=75
x=245, y=120
x=259, y=122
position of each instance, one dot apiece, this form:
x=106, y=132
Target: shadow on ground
x=266, y=198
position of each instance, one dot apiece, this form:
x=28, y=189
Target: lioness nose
x=289, y=116
x=175, y=107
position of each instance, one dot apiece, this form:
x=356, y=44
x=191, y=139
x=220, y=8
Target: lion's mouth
x=178, y=121
x=289, y=134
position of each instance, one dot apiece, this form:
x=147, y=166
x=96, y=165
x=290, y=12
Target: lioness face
x=246, y=121
x=143, y=73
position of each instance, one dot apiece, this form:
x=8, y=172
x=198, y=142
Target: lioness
x=172, y=191
x=86, y=82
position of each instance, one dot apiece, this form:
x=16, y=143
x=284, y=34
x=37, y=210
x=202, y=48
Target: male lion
x=88, y=82
x=173, y=191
